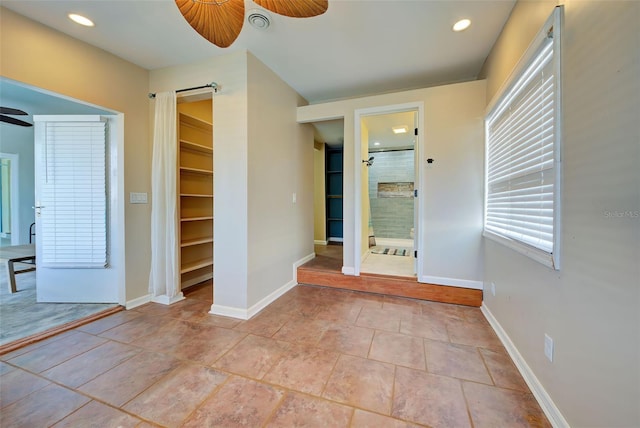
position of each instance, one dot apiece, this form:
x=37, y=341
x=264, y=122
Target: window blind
x=73, y=199
x=521, y=155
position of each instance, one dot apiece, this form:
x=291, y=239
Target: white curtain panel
x=165, y=275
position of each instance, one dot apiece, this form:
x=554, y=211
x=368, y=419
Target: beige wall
x=453, y=186
x=280, y=165
x=230, y=162
x=319, y=201
x=261, y=157
x=591, y=306
x=39, y=56
x=518, y=32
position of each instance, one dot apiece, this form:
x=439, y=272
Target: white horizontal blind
x=520, y=134
x=73, y=198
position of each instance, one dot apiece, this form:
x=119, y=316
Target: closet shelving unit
x=195, y=160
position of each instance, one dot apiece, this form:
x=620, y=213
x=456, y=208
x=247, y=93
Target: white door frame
x=116, y=209
x=374, y=111
x=14, y=159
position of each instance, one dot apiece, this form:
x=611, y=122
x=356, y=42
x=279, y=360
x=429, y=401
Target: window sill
x=524, y=249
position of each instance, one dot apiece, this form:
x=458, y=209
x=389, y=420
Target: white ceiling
x=357, y=48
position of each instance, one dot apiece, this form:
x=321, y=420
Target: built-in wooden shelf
x=195, y=195
x=198, y=241
x=187, y=119
x=184, y=144
x=197, y=218
x=195, y=170
x=195, y=201
x=198, y=264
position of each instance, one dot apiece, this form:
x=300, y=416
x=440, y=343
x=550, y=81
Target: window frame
x=551, y=29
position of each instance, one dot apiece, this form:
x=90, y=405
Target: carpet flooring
x=22, y=316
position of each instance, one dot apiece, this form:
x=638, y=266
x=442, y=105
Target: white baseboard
x=348, y=270
x=336, y=240
x=546, y=403
x=138, y=302
x=245, y=314
x=317, y=242
x=229, y=311
x=453, y=282
x=166, y=300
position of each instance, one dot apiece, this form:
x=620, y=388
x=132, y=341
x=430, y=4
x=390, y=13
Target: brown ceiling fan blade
x=218, y=21
x=295, y=8
x=13, y=121
x=14, y=111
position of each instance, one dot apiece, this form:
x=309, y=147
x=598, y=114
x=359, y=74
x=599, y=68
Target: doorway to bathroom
x=388, y=193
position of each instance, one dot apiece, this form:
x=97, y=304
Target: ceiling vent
x=258, y=19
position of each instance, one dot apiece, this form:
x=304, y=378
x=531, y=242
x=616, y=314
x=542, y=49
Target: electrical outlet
x=548, y=347
x=493, y=288
x=294, y=198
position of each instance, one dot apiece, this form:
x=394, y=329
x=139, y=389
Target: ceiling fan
x=220, y=21
x=4, y=111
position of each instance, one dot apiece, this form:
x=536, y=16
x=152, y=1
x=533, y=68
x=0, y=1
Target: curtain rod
x=213, y=85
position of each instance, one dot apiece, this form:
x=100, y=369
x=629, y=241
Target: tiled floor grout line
x=301, y=299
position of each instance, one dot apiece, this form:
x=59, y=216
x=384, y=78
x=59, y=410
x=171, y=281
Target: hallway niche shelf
x=196, y=197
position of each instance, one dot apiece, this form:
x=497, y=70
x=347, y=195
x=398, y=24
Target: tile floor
x=315, y=357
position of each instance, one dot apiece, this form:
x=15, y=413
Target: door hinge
x=415, y=193
x=415, y=254
x=415, y=131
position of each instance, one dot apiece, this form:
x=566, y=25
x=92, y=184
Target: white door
x=73, y=210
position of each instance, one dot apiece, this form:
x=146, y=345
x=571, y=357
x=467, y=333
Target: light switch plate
x=137, y=198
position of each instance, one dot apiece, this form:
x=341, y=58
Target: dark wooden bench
x=17, y=254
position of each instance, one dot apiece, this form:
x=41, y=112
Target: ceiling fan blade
x=295, y=8
x=13, y=121
x=15, y=111
x=218, y=21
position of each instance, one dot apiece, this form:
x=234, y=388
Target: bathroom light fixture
x=82, y=20
x=461, y=25
x=399, y=129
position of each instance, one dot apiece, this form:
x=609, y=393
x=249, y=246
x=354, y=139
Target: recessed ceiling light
x=399, y=129
x=376, y=143
x=461, y=25
x=79, y=19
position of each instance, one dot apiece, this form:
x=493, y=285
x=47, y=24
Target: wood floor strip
x=25, y=341
x=392, y=285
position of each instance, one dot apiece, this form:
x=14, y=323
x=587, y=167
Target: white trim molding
x=139, y=301
x=245, y=314
x=166, y=300
x=452, y=282
x=319, y=242
x=348, y=270
x=546, y=403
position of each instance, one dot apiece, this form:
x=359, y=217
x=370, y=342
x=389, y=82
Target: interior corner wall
x=319, y=192
x=280, y=159
x=83, y=72
x=453, y=186
x=230, y=161
x=522, y=26
x=591, y=306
